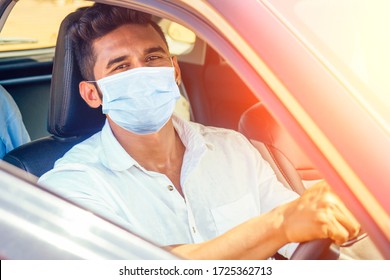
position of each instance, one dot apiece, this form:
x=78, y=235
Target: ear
x=89, y=93
x=177, y=70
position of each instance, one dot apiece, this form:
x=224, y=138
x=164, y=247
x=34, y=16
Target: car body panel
x=36, y=224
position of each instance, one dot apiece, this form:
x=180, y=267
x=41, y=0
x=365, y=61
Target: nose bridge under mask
x=135, y=81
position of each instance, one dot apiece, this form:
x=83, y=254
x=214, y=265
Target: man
x=13, y=133
x=202, y=192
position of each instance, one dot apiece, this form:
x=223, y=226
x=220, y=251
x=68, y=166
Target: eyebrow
x=154, y=49
x=124, y=57
x=115, y=60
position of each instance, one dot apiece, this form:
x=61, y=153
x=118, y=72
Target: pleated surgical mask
x=140, y=100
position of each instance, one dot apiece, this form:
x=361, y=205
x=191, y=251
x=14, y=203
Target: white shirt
x=224, y=181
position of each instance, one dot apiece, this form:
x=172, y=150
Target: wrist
x=280, y=224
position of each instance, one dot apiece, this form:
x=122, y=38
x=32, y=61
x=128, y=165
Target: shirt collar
x=189, y=134
x=116, y=158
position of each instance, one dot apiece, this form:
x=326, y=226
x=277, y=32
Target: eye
x=156, y=60
x=122, y=67
x=153, y=58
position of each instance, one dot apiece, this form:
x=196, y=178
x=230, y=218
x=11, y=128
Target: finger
x=337, y=232
x=350, y=224
x=334, y=205
x=346, y=219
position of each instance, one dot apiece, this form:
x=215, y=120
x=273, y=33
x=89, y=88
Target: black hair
x=97, y=21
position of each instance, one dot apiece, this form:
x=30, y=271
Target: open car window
x=27, y=43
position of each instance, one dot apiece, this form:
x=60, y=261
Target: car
x=312, y=73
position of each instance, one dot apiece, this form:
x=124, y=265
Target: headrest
x=69, y=115
x=258, y=124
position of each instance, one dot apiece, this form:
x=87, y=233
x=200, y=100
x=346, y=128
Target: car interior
x=216, y=94
x=293, y=168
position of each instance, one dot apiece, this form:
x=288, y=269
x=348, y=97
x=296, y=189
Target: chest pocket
x=232, y=214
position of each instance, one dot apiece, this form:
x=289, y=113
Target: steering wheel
x=320, y=249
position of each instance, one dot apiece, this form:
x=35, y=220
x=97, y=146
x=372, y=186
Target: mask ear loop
x=170, y=57
x=100, y=93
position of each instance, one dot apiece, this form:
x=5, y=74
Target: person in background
x=13, y=133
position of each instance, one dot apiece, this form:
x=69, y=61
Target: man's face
x=127, y=47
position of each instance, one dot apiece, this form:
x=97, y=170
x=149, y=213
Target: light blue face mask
x=140, y=100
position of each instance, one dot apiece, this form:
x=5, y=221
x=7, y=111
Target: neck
x=158, y=151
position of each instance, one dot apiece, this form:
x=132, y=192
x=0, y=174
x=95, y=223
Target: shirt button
x=170, y=187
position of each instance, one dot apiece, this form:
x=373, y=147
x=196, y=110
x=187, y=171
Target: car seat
x=70, y=120
x=291, y=165
x=217, y=94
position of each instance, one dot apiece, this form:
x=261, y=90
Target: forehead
x=129, y=39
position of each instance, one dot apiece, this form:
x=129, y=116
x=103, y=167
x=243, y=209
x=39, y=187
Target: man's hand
x=318, y=214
